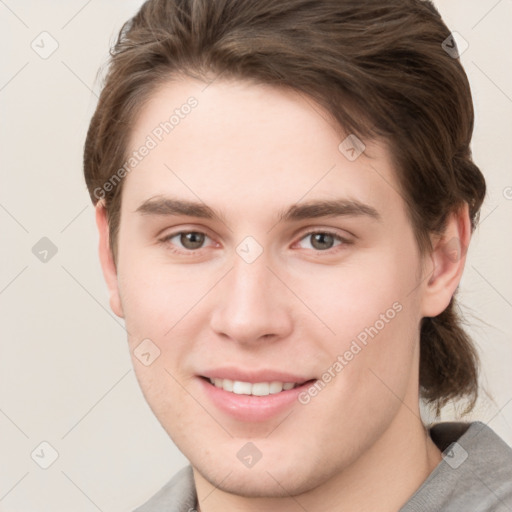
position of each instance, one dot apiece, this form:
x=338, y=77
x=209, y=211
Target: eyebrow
x=167, y=206
x=328, y=208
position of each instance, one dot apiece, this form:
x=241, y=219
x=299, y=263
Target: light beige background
x=65, y=373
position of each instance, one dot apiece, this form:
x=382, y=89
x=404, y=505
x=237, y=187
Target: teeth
x=275, y=387
x=256, y=389
x=260, y=389
x=242, y=388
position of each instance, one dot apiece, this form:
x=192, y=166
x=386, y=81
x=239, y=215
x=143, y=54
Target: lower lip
x=249, y=407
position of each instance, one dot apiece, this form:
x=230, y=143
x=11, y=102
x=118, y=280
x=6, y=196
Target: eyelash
x=192, y=252
x=336, y=236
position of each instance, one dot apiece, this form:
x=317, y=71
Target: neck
x=383, y=478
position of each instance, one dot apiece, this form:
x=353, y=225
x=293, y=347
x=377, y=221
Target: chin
x=249, y=483
x=280, y=474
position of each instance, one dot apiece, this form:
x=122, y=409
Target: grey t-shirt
x=475, y=475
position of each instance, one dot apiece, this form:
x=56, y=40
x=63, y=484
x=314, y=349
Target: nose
x=251, y=304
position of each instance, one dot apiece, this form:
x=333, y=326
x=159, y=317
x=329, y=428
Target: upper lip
x=253, y=376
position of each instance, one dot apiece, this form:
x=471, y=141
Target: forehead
x=235, y=144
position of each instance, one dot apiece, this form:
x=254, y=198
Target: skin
x=249, y=152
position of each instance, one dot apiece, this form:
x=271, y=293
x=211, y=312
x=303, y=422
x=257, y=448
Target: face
x=275, y=281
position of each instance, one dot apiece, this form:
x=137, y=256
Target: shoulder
x=475, y=473
x=178, y=495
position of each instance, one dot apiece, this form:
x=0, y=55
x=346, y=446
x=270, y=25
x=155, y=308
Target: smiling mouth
x=254, y=388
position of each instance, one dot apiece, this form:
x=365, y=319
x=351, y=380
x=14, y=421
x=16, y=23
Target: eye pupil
x=322, y=241
x=192, y=240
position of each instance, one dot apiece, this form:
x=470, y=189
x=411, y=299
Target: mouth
x=252, y=395
x=256, y=401
x=239, y=387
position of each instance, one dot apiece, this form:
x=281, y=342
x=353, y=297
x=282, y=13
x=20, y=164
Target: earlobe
x=107, y=260
x=448, y=258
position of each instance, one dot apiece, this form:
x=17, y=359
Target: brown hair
x=380, y=68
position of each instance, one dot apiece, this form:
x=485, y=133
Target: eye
x=321, y=240
x=188, y=240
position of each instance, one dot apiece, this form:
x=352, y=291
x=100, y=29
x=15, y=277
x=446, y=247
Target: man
x=285, y=195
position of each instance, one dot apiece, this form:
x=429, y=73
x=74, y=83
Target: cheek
x=156, y=298
x=162, y=305
x=368, y=376
x=373, y=317
x=165, y=391
x=351, y=298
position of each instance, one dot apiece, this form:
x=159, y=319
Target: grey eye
x=322, y=241
x=192, y=240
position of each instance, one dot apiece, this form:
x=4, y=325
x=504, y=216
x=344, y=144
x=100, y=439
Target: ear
x=107, y=260
x=447, y=263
